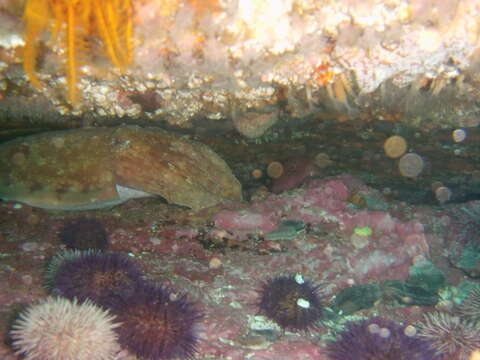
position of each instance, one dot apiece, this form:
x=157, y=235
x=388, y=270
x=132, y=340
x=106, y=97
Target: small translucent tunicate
x=275, y=169
x=395, y=146
x=384, y=333
x=410, y=330
x=459, y=135
x=373, y=328
x=443, y=194
x=411, y=165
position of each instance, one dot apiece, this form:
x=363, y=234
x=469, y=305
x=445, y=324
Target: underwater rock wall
x=251, y=64
x=359, y=261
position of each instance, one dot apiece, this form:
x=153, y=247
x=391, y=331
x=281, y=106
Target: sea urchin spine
x=291, y=301
x=59, y=329
x=379, y=338
x=157, y=323
x=95, y=276
x=84, y=234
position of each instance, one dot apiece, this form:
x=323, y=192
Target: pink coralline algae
x=323, y=203
x=291, y=351
x=246, y=220
x=310, y=204
x=392, y=244
x=176, y=247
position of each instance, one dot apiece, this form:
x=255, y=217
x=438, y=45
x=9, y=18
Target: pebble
x=27, y=279
x=29, y=246
x=155, y=241
x=215, y=263
x=33, y=219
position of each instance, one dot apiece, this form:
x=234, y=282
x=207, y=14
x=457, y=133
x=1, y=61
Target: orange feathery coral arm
x=128, y=29
x=71, y=54
x=114, y=23
x=105, y=29
x=124, y=30
x=81, y=19
x=36, y=16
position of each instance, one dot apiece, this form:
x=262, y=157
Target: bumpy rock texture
x=94, y=168
x=254, y=64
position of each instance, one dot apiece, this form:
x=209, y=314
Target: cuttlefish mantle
x=101, y=167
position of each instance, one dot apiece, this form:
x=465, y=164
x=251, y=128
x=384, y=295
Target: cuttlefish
x=100, y=167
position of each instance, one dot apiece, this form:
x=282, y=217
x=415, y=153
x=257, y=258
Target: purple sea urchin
x=83, y=234
x=95, y=276
x=60, y=329
x=157, y=323
x=291, y=301
x=379, y=339
x=59, y=259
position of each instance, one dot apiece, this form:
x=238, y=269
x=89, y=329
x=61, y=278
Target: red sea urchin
x=379, y=339
x=157, y=323
x=83, y=234
x=292, y=302
x=95, y=276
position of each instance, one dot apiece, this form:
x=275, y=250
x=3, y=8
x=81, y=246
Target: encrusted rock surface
x=92, y=168
x=170, y=245
x=229, y=61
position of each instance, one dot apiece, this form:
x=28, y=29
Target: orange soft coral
x=72, y=22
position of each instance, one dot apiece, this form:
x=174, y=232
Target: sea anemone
x=292, y=302
x=379, y=339
x=58, y=329
x=83, y=234
x=157, y=323
x=95, y=276
x=450, y=335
